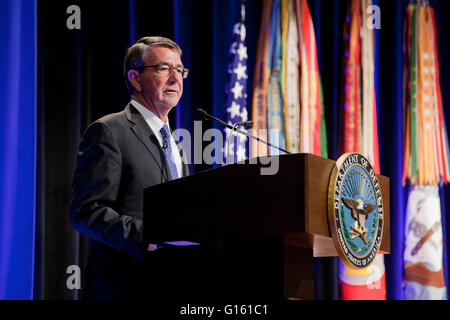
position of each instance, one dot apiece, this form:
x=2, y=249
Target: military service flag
x=425, y=157
x=313, y=130
x=360, y=134
x=260, y=84
x=275, y=120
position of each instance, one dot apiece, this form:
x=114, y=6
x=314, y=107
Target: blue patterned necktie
x=167, y=147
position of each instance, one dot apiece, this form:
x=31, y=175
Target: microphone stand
x=210, y=117
x=242, y=123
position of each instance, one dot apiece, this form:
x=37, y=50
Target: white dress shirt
x=155, y=123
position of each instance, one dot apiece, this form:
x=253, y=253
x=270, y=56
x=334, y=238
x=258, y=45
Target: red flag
x=360, y=134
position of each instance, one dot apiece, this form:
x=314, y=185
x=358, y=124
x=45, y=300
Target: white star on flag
x=237, y=90
x=240, y=71
x=243, y=32
x=244, y=114
x=242, y=52
x=234, y=110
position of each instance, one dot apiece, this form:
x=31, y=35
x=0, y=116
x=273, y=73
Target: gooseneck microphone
x=244, y=123
x=233, y=128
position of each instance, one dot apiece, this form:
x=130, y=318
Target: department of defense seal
x=355, y=210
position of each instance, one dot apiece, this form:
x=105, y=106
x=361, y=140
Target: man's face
x=161, y=92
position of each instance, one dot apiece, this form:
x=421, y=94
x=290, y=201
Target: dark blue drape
x=326, y=24
x=132, y=23
x=17, y=147
x=182, y=36
x=389, y=104
x=225, y=14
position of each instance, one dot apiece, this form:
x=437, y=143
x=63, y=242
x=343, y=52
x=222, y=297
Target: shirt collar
x=152, y=119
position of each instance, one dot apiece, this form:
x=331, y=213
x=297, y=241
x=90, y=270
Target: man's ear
x=133, y=77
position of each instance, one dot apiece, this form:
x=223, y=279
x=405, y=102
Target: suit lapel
x=143, y=132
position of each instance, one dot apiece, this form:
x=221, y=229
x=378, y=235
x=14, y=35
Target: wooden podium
x=281, y=218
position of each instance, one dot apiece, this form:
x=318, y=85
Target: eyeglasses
x=164, y=70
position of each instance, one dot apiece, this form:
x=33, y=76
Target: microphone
x=207, y=116
x=245, y=123
x=202, y=112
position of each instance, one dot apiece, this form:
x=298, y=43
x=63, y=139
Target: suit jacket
x=118, y=157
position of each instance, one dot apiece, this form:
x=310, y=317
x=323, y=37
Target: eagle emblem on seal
x=359, y=211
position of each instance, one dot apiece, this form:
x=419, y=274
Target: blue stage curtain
x=225, y=15
x=390, y=118
x=132, y=21
x=17, y=147
x=326, y=22
x=183, y=26
x=441, y=9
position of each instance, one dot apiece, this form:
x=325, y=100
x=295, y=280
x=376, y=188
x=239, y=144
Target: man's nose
x=173, y=76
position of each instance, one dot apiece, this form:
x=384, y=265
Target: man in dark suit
x=120, y=155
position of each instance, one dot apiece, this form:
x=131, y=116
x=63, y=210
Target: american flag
x=236, y=91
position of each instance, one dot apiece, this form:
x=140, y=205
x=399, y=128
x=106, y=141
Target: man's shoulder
x=113, y=120
x=111, y=124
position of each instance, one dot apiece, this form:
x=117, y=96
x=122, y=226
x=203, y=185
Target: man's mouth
x=170, y=91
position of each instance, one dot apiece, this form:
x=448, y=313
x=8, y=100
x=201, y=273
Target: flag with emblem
x=425, y=158
x=360, y=134
x=236, y=105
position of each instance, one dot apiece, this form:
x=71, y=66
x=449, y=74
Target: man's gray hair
x=137, y=54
